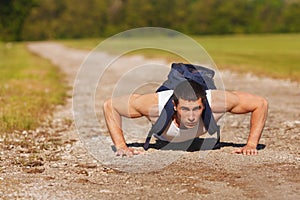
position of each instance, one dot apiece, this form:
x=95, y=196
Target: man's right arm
x=132, y=106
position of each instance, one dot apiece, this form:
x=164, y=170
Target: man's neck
x=176, y=121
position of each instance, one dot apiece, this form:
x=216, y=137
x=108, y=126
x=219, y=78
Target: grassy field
x=271, y=55
x=275, y=55
x=29, y=88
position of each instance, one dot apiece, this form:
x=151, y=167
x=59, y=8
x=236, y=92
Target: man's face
x=189, y=112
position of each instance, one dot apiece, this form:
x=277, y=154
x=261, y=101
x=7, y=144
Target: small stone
x=87, y=165
x=34, y=170
x=84, y=172
x=105, y=191
x=55, y=165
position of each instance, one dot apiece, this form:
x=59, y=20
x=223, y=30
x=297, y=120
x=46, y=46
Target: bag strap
x=209, y=120
x=161, y=123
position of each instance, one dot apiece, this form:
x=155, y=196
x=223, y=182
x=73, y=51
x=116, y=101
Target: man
x=186, y=123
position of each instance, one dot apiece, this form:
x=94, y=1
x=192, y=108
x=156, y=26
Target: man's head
x=189, y=100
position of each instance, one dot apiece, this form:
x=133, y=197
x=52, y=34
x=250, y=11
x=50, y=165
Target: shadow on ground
x=198, y=144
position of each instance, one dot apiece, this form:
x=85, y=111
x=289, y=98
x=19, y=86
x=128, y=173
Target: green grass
x=271, y=55
x=29, y=88
x=274, y=55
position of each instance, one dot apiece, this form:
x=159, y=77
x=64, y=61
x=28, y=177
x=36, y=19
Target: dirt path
x=57, y=164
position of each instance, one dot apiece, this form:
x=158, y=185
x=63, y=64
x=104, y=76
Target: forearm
x=257, y=122
x=114, y=124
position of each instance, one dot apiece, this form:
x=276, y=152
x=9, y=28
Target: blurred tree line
x=58, y=19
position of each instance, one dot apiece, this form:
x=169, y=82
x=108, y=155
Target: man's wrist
x=121, y=146
x=252, y=144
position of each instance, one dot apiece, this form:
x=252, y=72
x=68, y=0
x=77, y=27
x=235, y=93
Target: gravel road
x=70, y=156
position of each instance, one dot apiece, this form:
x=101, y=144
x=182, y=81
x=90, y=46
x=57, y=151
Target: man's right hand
x=126, y=151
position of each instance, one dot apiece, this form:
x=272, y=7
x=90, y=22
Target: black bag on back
x=181, y=72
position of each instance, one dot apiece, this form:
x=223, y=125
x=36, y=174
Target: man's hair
x=189, y=90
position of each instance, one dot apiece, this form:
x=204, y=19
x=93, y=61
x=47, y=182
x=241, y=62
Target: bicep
x=135, y=105
x=245, y=102
x=233, y=101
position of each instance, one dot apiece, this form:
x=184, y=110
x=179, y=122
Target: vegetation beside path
x=30, y=87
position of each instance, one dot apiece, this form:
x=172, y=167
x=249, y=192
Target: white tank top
x=174, y=133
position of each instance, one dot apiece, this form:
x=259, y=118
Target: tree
x=13, y=14
x=55, y=19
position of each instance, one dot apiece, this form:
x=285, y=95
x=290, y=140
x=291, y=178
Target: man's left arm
x=240, y=103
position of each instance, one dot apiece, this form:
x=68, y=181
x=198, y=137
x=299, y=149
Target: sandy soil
x=62, y=161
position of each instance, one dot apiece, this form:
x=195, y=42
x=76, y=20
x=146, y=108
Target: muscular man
x=188, y=100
